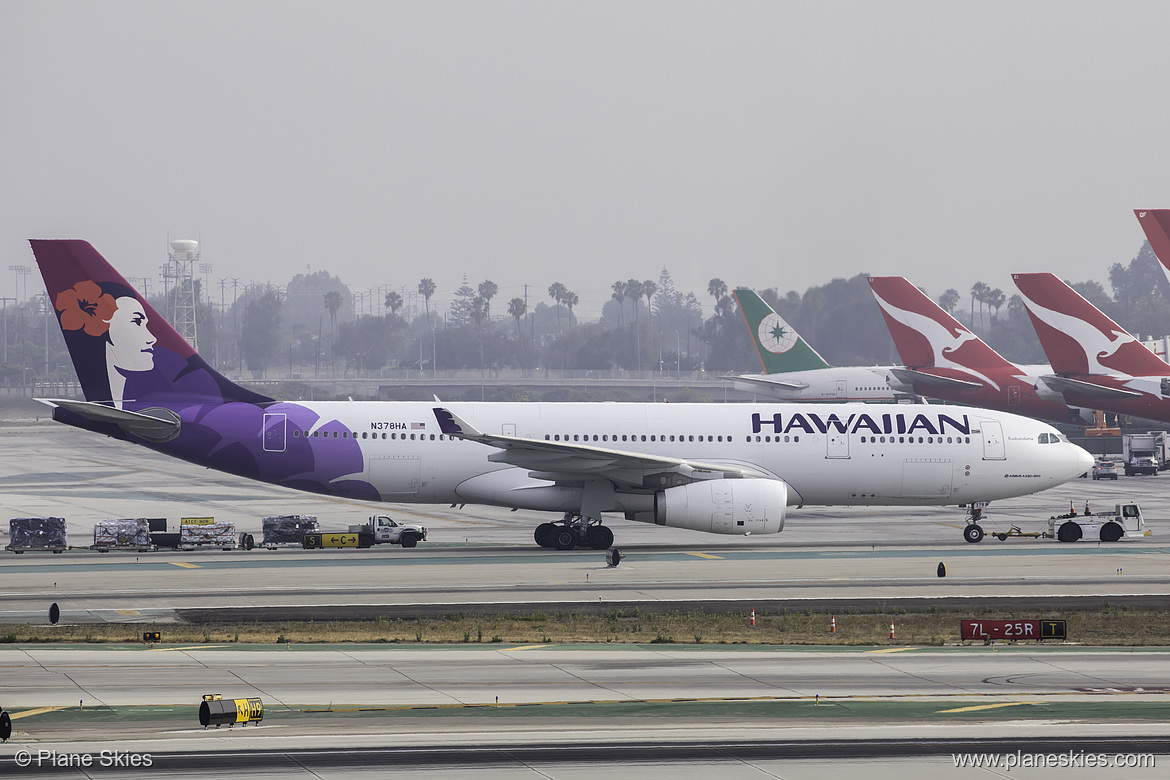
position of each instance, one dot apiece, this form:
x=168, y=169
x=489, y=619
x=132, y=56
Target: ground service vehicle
x=1105, y=469
x=1140, y=452
x=380, y=530
x=1125, y=522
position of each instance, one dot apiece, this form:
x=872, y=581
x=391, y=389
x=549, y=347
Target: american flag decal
x=418, y=426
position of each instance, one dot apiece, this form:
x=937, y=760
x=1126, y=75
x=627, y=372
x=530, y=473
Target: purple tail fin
x=123, y=350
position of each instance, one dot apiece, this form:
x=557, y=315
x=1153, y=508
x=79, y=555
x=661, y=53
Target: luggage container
x=37, y=534
x=123, y=534
x=287, y=530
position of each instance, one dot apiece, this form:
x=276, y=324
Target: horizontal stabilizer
x=911, y=377
x=155, y=424
x=1063, y=384
x=768, y=381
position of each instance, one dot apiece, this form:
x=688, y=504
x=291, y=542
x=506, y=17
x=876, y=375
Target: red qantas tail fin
x=924, y=334
x=1077, y=336
x=1156, y=224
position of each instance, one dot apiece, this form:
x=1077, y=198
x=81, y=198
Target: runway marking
x=706, y=555
x=192, y=647
x=525, y=647
x=890, y=650
x=991, y=706
x=185, y=565
x=37, y=711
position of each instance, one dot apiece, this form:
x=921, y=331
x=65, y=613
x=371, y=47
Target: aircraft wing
x=911, y=377
x=572, y=462
x=1064, y=384
x=768, y=381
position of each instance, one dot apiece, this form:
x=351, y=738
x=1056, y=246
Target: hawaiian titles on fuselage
x=811, y=422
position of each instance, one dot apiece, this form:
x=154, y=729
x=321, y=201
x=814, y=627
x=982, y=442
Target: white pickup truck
x=381, y=529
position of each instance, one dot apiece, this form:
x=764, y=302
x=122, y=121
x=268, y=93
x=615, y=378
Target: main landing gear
x=573, y=532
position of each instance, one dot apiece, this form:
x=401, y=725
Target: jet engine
x=724, y=506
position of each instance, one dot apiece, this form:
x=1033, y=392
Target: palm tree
x=557, y=292
x=995, y=299
x=426, y=288
x=717, y=289
x=634, y=290
x=978, y=293
x=393, y=301
x=517, y=308
x=571, y=300
x=949, y=300
x=479, y=313
x=333, y=301
x=648, y=289
x=619, y=295
x=487, y=291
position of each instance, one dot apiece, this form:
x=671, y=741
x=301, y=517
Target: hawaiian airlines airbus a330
x=719, y=468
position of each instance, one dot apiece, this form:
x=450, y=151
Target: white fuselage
x=843, y=383
x=861, y=454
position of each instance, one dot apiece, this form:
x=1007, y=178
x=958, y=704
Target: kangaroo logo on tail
x=1077, y=336
x=926, y=336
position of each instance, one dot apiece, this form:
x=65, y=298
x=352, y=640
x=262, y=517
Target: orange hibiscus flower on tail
x=86, y=307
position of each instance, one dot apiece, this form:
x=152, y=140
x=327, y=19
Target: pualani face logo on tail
x=775, y=335
x=111, y=323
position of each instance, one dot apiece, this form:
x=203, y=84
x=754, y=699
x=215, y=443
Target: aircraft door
x=273, y=434
x=508, y=429
x=842, y=389
x=992, y=440
x=396, y=475
x=836, y=444
x=926, y=478
x=1013, y=395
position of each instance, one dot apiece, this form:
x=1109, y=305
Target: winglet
x=453, y=425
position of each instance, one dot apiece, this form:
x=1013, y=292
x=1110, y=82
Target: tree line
x=316, y=323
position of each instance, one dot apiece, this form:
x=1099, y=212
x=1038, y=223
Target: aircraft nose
x=1085, y=461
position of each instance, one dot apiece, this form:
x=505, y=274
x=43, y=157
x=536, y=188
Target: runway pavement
x=583, y=697
x=484, y=557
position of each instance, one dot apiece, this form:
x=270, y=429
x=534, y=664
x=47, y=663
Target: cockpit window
x=1043, y=438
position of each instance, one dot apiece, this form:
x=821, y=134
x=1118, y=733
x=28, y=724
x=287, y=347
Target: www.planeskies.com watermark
x=1073, y=759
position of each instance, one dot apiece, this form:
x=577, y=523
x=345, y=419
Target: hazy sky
x=771, y=144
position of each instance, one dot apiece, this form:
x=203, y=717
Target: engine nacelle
x=724, y=506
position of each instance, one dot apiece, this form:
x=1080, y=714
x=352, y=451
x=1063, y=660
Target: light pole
x=677, y=358
x=21, y=271
x=5, y=302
